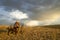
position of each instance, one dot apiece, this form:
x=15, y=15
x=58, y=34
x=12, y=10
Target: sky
x=40, y=12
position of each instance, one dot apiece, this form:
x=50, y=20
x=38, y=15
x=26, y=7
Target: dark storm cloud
x=29, y=5
x=35, y=9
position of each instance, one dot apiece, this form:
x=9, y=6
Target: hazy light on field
x=32, y=23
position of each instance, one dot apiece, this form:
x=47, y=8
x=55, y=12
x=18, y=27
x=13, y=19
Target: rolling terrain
x=50, y=32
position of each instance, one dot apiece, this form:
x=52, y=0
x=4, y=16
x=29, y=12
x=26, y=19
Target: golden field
x=51, y=32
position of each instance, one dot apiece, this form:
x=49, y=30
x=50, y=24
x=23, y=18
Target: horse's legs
x=16, y=31
x=8, y=32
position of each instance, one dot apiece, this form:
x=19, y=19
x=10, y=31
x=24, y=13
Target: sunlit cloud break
x=54, y=20
x=18, y=14
x=32, y=23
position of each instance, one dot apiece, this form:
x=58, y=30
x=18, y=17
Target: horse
x=14, y=29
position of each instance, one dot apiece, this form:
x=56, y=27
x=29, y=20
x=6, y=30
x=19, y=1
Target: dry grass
x=32, y=33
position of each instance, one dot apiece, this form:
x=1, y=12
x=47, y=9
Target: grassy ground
x=32, y=33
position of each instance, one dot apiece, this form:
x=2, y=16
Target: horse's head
x=17, y=24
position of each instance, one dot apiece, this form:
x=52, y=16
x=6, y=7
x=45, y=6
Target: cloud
x=8, y=17
x=35, y=9
x=40, y=10
x=4, y=16
x=18, y=15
